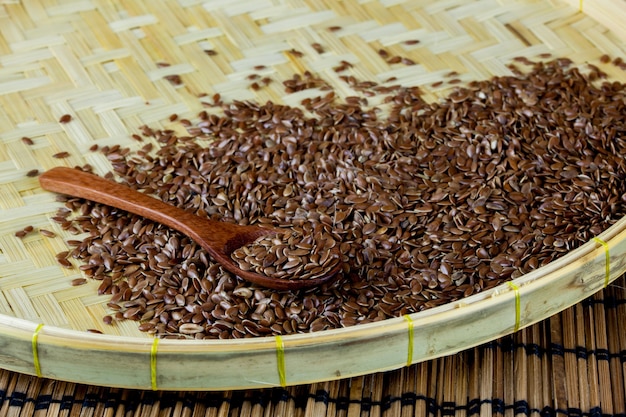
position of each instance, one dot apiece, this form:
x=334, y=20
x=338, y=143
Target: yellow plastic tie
x=409, y=357
x=36, y=363
x=517, y=306
x=280, y=361
x=580, y=6
x=607, y=261
x=153, y=361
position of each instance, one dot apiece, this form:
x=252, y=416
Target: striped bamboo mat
x=573, y=364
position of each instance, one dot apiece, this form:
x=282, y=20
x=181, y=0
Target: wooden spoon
x=219, y=239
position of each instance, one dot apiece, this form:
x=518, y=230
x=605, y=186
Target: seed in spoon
x=287, y=258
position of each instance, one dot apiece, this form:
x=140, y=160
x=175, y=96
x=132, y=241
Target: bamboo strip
x=500, y=375
x=535, y=392
x=60, y=390
x=592, y=365
x=558, y=366
x=334, y=389
x=614, y=361
x=485, y=376
x=544, y=366
x=47, y=391
x=504, y=375
x=571, y=369
x=422, y=380
x=582, y=395
x=377, y=386
x=410, y=389
x=315, y=406
x=286, y=407
x=224, y=408
x=246, y=408
x=620, y=294
x=603, y=368
x=393, y=389
x=6, y=382
x=522, y=373
x=450, y=372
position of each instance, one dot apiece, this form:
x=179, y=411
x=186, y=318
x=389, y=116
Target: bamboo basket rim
x=510, y=295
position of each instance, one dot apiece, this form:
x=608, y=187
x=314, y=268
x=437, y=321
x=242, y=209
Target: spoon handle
x=92, y=187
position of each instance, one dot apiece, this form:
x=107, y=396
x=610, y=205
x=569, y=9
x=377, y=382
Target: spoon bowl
x=219, y=239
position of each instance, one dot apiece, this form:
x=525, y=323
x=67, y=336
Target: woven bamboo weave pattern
x=115, y=66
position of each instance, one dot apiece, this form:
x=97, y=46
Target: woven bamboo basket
x=97, y=60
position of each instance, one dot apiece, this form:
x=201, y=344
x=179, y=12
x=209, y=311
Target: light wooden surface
x=98, y=61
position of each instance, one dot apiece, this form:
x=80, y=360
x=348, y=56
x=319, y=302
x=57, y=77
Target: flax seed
x=47, y=233
x=423, y=210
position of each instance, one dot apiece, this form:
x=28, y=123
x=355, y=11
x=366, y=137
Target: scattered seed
x=174, y=79
x=28, y=141
x=32, y=173
x=65, y=263
x=295, y=53
x=66, y=118
x=47, y=233
x=318, y=47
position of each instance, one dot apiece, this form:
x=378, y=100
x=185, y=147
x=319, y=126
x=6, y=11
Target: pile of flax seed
x=428, y=202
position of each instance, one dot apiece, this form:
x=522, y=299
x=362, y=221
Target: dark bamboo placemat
x=573, y=364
